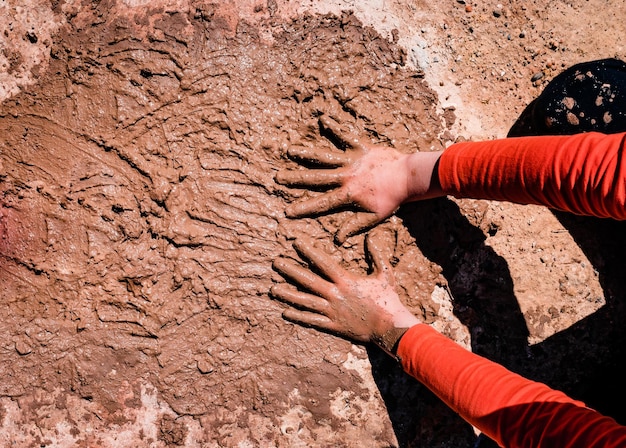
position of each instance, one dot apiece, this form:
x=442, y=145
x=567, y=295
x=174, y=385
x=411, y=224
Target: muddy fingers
x=364, y=308
x=380, y=259
x=310, y=178
x=325, y=157
x=309, y=319
x=303, y=277
x=299, y=299
x=370, y=178
x=319, y=204
x=343, y=138
x=355, y=224
x=320, y=259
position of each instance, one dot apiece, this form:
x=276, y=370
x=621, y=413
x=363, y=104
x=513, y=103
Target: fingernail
x=291, y=152
x=279, y=177
x=279, y=264
x=303, y=241
x=340, y=237
x=297, y=244
x=290, y=212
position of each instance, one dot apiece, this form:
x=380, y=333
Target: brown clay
x=140, y=218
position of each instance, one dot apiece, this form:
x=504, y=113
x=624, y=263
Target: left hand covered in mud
x=358, y=307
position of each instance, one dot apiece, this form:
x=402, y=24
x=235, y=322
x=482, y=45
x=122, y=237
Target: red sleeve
x=584, y=173
x=512, y=410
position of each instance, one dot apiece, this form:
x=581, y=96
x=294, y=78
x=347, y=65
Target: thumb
x=378, y=249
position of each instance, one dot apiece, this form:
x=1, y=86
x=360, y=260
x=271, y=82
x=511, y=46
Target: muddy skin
x=139, y=220
x=330, y=298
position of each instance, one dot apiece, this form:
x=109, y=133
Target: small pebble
x=537, y=76
x=204, y=367
x=572, y=119
x=22, y=348
x=569, y=102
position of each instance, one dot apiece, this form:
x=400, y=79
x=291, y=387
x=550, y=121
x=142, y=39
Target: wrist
x=422, y=176
x=389, y=341
x=388, y=337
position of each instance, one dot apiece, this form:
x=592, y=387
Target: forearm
x=584, y=174
x=512, y=410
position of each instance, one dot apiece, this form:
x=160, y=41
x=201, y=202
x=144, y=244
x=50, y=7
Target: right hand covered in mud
x=372, y=178
x=361, y=308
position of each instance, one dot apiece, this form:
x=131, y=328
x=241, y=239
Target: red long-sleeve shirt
x=583, y=174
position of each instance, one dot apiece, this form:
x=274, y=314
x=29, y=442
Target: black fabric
x=590, y=96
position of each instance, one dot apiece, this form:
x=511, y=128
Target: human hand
x=361, y=308
x=372, y=178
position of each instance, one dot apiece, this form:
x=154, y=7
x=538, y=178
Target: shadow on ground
x=581, y=361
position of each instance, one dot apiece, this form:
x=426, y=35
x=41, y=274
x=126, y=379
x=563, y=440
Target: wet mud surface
x=140, y=220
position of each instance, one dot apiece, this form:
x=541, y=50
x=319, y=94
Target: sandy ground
x=139, y=218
